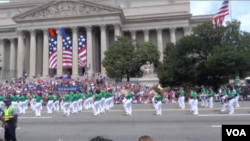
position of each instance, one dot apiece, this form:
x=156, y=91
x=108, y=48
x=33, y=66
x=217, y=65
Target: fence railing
x=8, y=74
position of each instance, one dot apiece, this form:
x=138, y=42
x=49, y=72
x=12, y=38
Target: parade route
x=174, y=125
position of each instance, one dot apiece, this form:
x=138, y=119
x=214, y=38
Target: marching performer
x=87, y=101
x=50, y=99
x=66, y=104
x=223, y=94
x=96, y=106
x=231, y=98
x=1, y=100
x=127, y=102
x=33, y=101
x=22, y=104
x=157, y=99
x=74, y=103
x=203, y=96
x=102, y=102
x=56, y=104
x=181, y=100
x=80, y=100
x=38, y=105
x=108, y=99
x=194, y=97
x=191, y=101
x=211, y=98
x=238, y=92
x=14, y=99
x=206, y=97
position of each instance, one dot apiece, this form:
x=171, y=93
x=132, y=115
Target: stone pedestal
x=148, y=81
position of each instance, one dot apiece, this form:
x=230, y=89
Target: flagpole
x=230, y=12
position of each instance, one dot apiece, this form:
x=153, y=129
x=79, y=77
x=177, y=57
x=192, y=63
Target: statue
x=148, y=69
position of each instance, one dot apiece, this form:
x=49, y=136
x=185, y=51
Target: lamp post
x=87, y=67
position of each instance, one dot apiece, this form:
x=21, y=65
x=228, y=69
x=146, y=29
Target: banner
x=66, y=88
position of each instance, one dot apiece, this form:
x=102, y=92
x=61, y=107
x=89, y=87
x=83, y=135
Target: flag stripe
x=52, y=52
x=221, y=14
x=82, y=50
x=67, y=52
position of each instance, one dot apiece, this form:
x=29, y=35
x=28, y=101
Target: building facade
x=24, y=27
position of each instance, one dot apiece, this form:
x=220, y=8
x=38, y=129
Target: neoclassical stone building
x=24, y=29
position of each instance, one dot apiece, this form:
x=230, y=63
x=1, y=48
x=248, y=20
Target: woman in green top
x=22, y=104
x=238, y=92
x=157, y=103
x=194, y=96
x=50, y=99
x=96, y=106
x=38, y=106
x=127, y=103
x=211, y=97
x=231, y=102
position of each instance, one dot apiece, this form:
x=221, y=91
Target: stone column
x=159, y=43
x=59, y=70
x=45, y=53
x=103, y=45
x=75, y=51
x=146, y=35
x=133, y=35
x=89, y=49
x=2, y=56
x=117, y=30
x=12, y=55
x=186, y=31
x=32, y=60
x=172, y=35
x=20, y=54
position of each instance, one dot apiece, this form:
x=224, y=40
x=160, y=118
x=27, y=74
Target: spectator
x=99, y=138
x=145, y=138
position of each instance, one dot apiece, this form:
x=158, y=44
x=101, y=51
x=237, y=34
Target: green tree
x=146, y=51
x=209, y=56
x=119, y=58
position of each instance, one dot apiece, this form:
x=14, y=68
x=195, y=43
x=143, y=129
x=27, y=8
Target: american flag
x=221, y=14
x=67, y=51
x=82, y=51
x=52, y=52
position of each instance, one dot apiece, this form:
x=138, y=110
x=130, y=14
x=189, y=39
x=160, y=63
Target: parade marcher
x=194, y=96
x=39, y=100
x=33, y=101
x=223, y=94
x=96, y=106
x=158, y=99
x=66, y=104
x=211, y=98
x=10, y=115
x=102, y=102
x=181, y=100
x=22, y=104
x=14, y=99
x=206, y=97
x=190, y=101
x=80, y=101
x=86, y=103
x=50, y=99
x=75, y=103
x=1, y=100
x=231, y=98
x=56, y=105
x=203, y=96
x=127, y=103
x=238, y=92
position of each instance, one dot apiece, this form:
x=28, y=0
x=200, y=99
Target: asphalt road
x=174, y=125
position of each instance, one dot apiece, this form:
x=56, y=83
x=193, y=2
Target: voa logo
x=236, y=132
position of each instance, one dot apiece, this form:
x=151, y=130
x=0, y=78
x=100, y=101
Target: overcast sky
x=240, y=10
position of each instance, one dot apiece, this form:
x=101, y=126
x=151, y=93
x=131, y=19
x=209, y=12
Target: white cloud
x=240, y=11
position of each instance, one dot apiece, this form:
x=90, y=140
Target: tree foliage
x=118, y=58
x=211, y=55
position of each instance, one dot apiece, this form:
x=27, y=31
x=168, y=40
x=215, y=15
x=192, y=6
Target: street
x=174, y=125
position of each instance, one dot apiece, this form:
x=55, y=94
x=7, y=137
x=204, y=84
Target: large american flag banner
x=221, y=14
x=67, y=52
x=52, y=52
x=82, y=50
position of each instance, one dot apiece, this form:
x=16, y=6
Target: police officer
x=10, y=115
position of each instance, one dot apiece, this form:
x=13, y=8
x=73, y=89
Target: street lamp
x=87, y=67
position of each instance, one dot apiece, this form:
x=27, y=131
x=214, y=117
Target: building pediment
x=66, y=8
